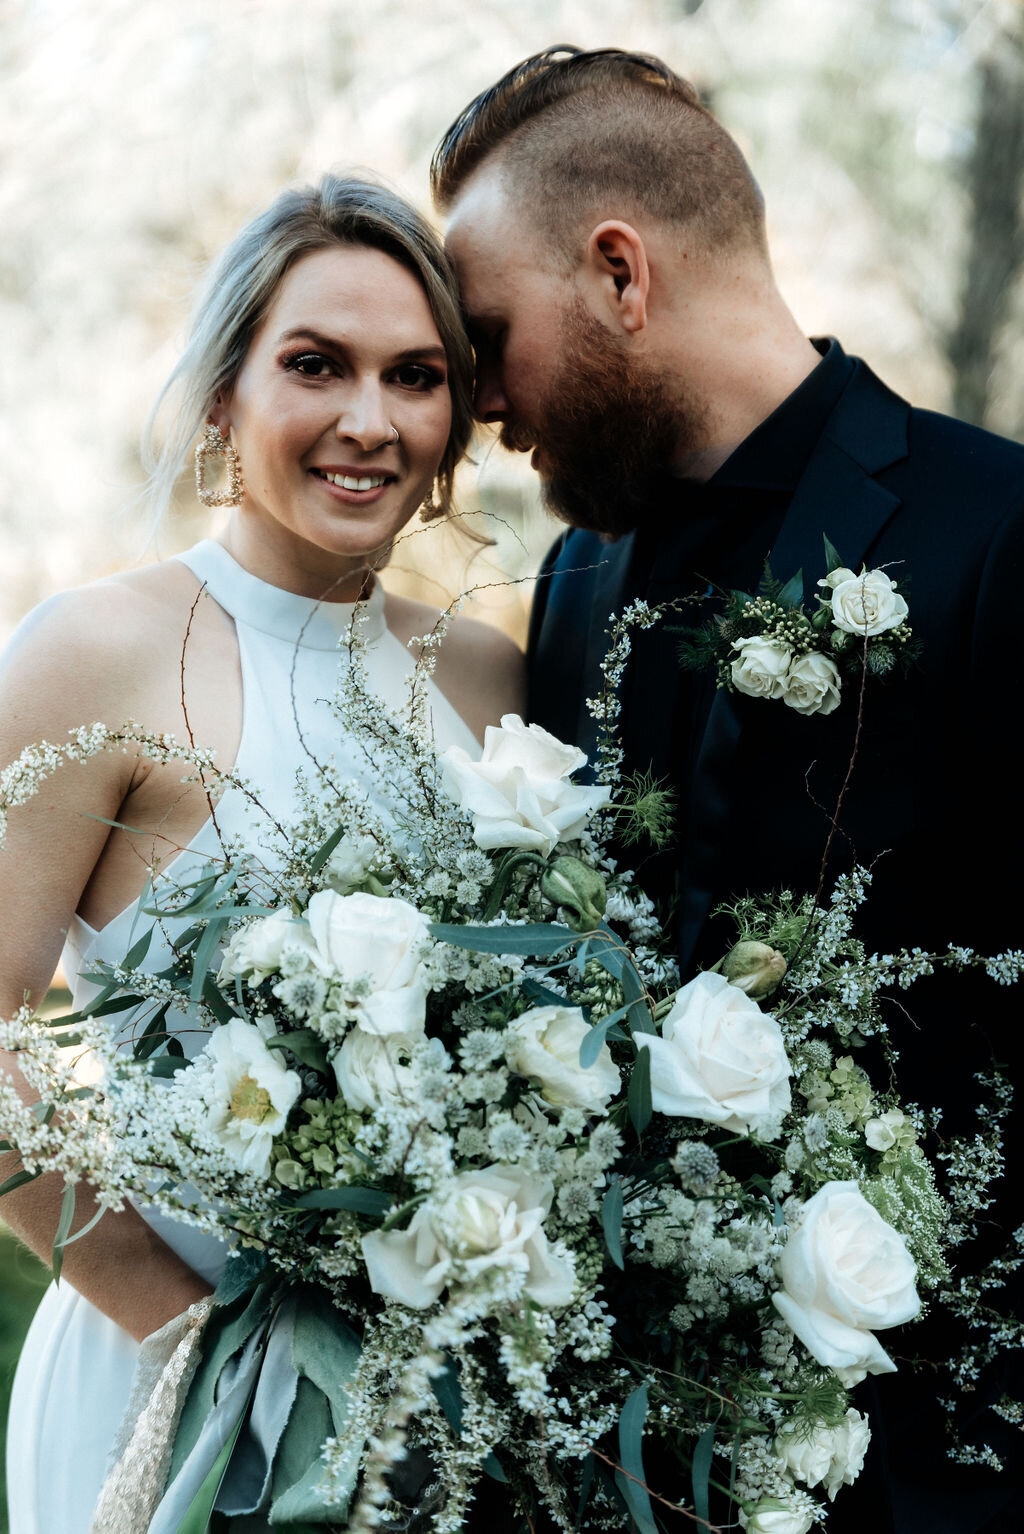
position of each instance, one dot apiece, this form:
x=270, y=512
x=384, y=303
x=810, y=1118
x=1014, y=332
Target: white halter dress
x=75, y=1372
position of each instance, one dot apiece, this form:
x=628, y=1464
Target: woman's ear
x=220, y=414
x=617, y=263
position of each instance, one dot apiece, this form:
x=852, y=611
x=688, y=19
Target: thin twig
x=714, y=1528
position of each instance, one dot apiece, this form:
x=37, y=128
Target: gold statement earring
x=214, y=445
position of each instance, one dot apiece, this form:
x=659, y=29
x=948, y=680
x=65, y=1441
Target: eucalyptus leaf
x=205, y=950
x=641, y=1109
x=67, y=1214
x=593, y=1041
x=323, y=852
x=611, y=1222
x=632, y=1484
x=700, y=1472
x=369, y=1201
x=533, y=941
x=305, y=1045
x=167, y=1065
x=17, y=1180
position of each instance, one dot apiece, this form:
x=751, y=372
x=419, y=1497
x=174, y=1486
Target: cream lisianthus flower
x=519, y=793
x=832, y=1456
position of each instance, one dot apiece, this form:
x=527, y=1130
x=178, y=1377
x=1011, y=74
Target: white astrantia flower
x=720, y=1059
x=257, y=949
x=812, y=685
x=845, y=1274
x=373, y=1069
x=867, y=604
x=485, y=1219
x=373, y=948
x=519, y=793
x=760, y=667
x=247, y=1090
x=832, y=1456
x=544, y=1044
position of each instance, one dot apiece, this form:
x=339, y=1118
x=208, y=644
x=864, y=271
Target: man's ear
x=617, y=263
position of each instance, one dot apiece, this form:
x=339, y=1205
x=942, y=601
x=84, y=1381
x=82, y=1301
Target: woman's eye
x=417, y=375
x=310, y=364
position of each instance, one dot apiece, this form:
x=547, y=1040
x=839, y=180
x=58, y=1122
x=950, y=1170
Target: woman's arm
x=77, y=660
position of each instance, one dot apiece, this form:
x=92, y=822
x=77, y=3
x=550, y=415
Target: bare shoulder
x=480, y=670
x=97, y=645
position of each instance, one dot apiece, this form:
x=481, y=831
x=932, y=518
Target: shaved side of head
x=583, y=136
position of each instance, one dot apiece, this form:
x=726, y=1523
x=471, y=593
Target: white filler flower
x=544, y=1044
x=832, y=1455
x=248, y=1093
x=845, y=1273
x=519, y=793
x=720, y=1059
x=487, y=1219
x=373, y=948
x=865, y=604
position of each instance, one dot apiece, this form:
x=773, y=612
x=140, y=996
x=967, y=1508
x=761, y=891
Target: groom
x=610, y=245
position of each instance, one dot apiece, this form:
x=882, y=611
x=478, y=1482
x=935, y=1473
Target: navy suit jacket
x=933, y=800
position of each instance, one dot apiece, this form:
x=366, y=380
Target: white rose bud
x=720, y=1059
x=519, y=793
x=754, y=967
x=845, y=1273
x=544, y=1044
x=811, y=685
x=492, y=1218
x=866, y=604
x=760, y=667
x=257, y=948
x=377, y=946
x=772, y=1516
x=833, y=1455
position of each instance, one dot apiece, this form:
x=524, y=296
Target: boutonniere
x=771, y=646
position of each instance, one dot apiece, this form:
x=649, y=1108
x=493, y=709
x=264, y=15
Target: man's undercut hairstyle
x=609, y=134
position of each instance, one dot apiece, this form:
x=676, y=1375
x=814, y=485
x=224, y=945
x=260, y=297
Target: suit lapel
x=837, y=496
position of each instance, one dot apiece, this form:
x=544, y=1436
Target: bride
x=328, y=378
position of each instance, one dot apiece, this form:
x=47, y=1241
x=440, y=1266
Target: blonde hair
x=341, y=210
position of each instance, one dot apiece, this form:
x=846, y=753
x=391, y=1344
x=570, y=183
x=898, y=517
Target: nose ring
x=395, y=436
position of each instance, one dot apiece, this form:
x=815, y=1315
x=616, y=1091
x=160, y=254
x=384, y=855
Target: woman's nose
x=365, y=420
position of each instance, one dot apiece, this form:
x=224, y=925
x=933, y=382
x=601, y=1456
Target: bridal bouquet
x=504, y=1199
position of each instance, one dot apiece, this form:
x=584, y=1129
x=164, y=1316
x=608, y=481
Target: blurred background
x=136, y=136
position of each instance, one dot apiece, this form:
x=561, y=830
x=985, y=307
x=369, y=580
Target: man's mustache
x=517, y=438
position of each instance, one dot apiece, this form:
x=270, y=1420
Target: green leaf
x=205, y=950
x=535, y=992
x=631, y=1435
x=17, y=1180
x=534, y=941
x=641, y=1109
x=592, y=1042
x=588, y=1481
x=43, y=1112
x=611, y=1221
x=792, y=593
x=138, y=951
x=167, y=1065
x=92, y=1224
x=305, y=1045
x=611, y=954
x=448, y=1391
x=833, y=559
x=152, y=1036
x=67, y=1214
x=701, y=1473
x=320, y=857
x=217, y=1002
x=369, y=1201
x=243, y=1271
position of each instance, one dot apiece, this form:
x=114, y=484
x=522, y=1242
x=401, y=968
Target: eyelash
x=429, y=377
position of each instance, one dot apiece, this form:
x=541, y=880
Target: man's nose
x=489, y=399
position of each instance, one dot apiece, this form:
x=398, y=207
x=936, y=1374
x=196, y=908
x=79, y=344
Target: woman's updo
x=341, y=210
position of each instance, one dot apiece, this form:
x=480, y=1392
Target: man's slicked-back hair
x=604, y=131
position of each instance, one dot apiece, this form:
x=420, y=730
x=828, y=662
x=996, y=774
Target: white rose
x=545, y=1044
x=248, y=1094
x=258, y=948
x=491, y=1218
x=866, y=604
x=772, y=1516
x=372, y=1069
x=374, y=948
x=811, y=685
x=720, y=1059
x=760, y=667
x=518, y=793
x=833, y=1455
x=349, y=863
x=845, y=1272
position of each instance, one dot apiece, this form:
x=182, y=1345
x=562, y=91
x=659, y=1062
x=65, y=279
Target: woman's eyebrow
x=335, y=343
